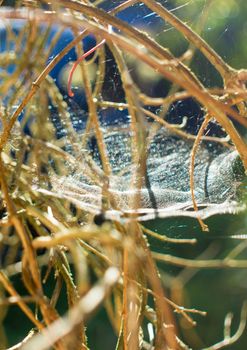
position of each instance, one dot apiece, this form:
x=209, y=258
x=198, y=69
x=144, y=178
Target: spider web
x=166, y=187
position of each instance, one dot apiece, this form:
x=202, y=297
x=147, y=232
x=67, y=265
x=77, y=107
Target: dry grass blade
x=85, y=306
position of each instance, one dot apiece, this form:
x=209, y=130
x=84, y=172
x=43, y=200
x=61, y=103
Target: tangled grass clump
x=87, y=231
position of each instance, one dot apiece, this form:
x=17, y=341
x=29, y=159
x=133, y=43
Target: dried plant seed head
x=78, y=175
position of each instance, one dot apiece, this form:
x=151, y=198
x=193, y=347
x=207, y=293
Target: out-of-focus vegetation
x=96, y=285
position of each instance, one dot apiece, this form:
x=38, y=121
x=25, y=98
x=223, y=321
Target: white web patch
x=167, y=192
